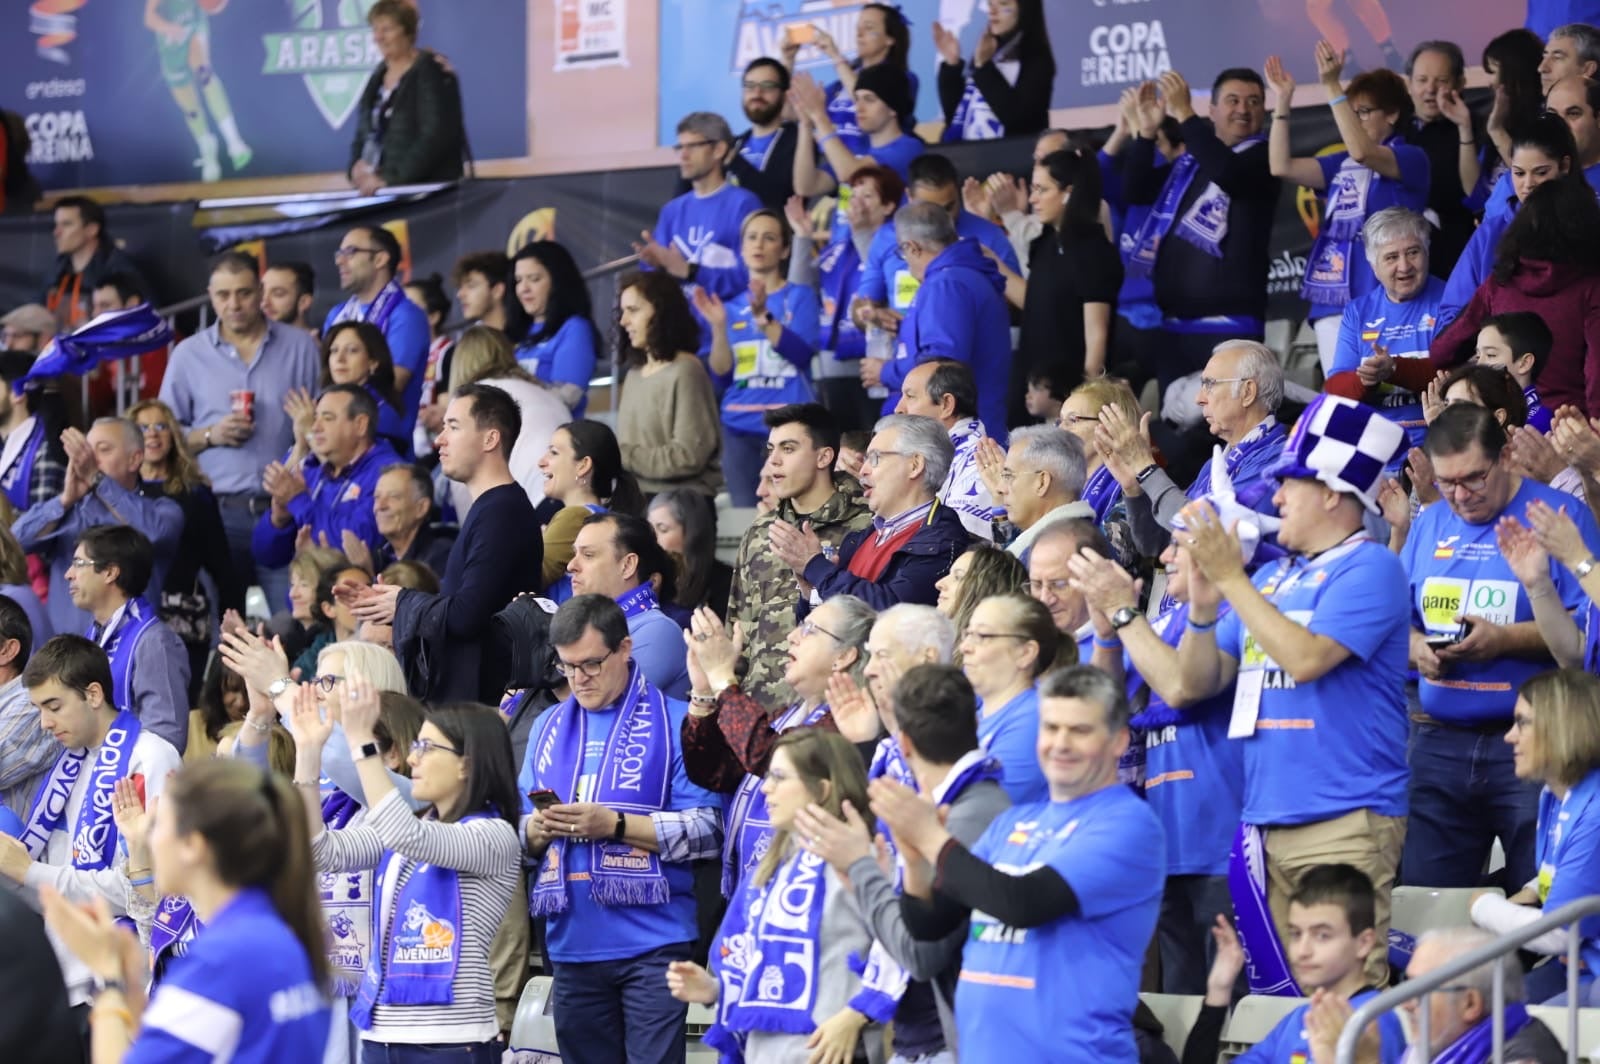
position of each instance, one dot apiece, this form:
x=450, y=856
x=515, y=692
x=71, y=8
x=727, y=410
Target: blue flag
x=118, y=334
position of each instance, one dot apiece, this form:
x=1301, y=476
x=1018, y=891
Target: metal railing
x=1424, y=985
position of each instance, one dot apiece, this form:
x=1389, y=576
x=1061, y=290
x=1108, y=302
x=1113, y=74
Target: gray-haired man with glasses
x=612, y=823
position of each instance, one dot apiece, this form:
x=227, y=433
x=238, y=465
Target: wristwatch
x=364, y=751
x=1584, y=568
x=1123, y=617
x=279, y=686
x=622, y=826
x=99, y=986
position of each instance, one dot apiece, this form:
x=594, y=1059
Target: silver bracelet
x=262, y=727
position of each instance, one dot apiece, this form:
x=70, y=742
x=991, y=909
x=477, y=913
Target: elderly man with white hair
x=1041, y=482
x=1382, y=356
x=1241, y=389
x=1460, y=1014
x=913, y=539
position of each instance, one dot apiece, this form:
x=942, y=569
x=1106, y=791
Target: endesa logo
x=1125, y=53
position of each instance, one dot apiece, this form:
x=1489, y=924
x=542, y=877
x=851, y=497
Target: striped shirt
x=487, y=853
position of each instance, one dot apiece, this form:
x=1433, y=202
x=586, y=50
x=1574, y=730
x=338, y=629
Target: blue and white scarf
x=18, y=458
x=120, y=642
x=887, y=760
x=1332, y=256
x=748, y=824
x=419, y=966
x=768, y=953
x=635, y=777
x=1476, y=1046
x=1268, y=435
x=1204, y=224
x=974, y=119
x=346, y=902
x=1266, y=964
x=1102, y=492
x=384, y=304
x=175, y=925
x=94, y=837
x=641, y=599
x=115, y=334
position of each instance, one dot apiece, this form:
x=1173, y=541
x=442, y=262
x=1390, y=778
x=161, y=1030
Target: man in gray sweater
x=936, y=713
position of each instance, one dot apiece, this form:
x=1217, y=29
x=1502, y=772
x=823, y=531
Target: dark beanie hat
x=891, y=85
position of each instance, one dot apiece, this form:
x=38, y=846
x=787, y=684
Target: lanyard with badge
x=1254, y=662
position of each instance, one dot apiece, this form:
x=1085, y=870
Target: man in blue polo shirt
x=1473, y=642
x=1395, y=321
x=1316, y=648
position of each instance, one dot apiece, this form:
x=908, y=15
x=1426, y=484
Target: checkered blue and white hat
x=1344, y=444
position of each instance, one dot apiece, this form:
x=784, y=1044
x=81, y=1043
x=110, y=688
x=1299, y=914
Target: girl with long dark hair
x=1005, y=90
x=562, y=344
x=583, y=474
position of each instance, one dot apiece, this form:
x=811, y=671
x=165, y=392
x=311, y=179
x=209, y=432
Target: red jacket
x=1569, y=302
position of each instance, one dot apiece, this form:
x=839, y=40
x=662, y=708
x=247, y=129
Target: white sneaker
x=210, y=166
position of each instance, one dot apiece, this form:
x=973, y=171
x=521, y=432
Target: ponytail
x=255, y=825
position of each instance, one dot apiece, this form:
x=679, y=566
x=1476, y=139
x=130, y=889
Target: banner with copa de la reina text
x=121, y=92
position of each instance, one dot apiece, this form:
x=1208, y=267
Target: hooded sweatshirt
x=1568, y=299
x=959, y=313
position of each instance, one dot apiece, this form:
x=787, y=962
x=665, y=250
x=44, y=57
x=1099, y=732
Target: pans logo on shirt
x=333, y=55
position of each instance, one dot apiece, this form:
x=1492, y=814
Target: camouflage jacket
x=765, y=590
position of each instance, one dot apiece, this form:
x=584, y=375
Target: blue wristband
x=1196, y=626
x=142, y=882
x=1341, y=98
x=1107, y=644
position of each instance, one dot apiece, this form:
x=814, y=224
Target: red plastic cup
x=244, y=402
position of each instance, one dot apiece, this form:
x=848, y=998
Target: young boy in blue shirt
x=1332, y=929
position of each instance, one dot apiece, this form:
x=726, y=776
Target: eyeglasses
x=1057, y=588
x=83, y=563
x=590, y=669
x=874, y=458
x=970, y=634
x=762, y=86
x=154, y=426
x=1521, y=723
x=326, y=683
x=1364, y=112
x=349, y=253
x=810, y=628
x=1209, y=383
x=1472, y=485
x=1008, y=477
x=691, y=145
x=422, y=746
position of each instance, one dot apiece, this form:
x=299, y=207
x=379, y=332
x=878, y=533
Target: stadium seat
x=1253, y=1019
x=1555, y=1018
x=533, y=1028
x=1177, y=1013
x=1418, y=909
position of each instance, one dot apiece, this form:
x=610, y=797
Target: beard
x=763, y=115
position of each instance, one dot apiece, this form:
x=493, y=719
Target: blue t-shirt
x=756, y=147
x=244, y=988
x=1568, y=852
x=706, y=230
x=567, y=357
x=1405, y=330
x=1456, y=567
x=588, y=931
x=1011, y=736
x=885, y=277
x=1108, y=847
x=407, y=333
x=765, y=376
x=1326, y=748
x=1194, y=774
x=658, y=648
x=1288, y=1043
x=1410, y=191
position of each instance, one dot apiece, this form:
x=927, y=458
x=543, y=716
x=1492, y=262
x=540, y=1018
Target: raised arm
x=1362, y=148
x=1304, y=172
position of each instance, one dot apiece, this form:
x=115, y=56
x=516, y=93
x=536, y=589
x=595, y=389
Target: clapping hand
x=711, y=307
x=1557, y=533
x=310, y=725
x=357, y=551
x=360, y=707
x=1214, y=549
x=853, y=712
x=133, y=819
x=839, y=841
x=1330, y=64
x=1104, y=584
x=987, y=45
x=809, y=101
x=1533, y=456
x=975, y=197
x=711, y=651
x=1124, y=444
x=374, y=605
x=91, y=934
x=1395, y=504
x=1227, y=964
x=1175, y=92
x=1419, y=467
x=260, y=663
x=913, y=820
x=1150, y=111
x=664, y=257
x=1280, y=81
x=1007, y=194
x=1432, y=397
x=1522, y=552
x=947, y=44
x=282, y=483
x=795, y=547
x=1376, y=367
x=1575, y=440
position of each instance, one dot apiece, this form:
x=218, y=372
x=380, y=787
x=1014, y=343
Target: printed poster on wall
x=591, y=33
x=121, y=92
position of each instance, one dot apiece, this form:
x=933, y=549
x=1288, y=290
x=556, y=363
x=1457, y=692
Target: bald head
x=118, y=447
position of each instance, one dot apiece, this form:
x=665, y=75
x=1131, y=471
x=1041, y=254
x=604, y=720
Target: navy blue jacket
x=912, y=570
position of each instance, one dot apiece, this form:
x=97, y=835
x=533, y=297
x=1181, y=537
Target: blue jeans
x=1464, y=794
x=743, y=455
x=611, y=1012
x=1189, y=908
x=239, y=516
x=397, y=1053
